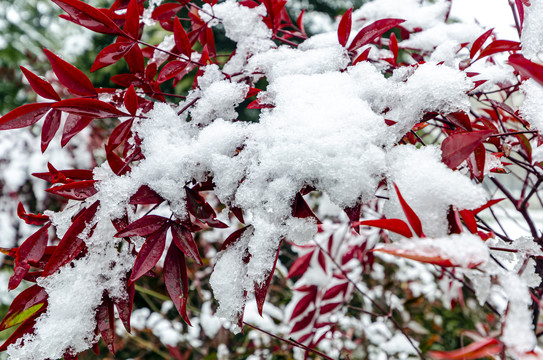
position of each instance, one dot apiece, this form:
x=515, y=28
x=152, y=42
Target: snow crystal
x=532, y=33
x=532, y=108
x=431, y=189
x=428, y=39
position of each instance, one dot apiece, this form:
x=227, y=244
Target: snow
x=532, y=34
x=532, y=108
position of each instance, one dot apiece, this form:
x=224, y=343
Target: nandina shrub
x=381, y=138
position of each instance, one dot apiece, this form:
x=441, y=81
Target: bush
x=365, y=167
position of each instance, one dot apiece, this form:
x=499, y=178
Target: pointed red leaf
x=300, y=22
x=300, y=209
x=49, y=128
x=335, y=290
x=198, y=207
x=469, y=220
x=88, y=16
x=476, y=162
x=262, y=289
x=373, y=30
x=74, y=79
x=77, y=190
x=303, y=304
x=166, y=11
x=300, y=265
x=144, y=226
x=477, y=44
x=131, y=100
x=88, y=107
x=304, y=322
x=413, y=219
x=520, y=9
x=117, y=165
x=353, y=213
x=74, y=174
x=124, y=306
x=325, y=309
x=344, y=28
x=486, y=347
x=145, y=196
x=238, y=213
x=258, y=105
x=39, y=85
x=71, y=244
x=26, y=304
x=105, y=321
x=364, y=57
x=460, y=119
x=176, y=280
x=111, y=54
x=498, y=46
x=457, y=147
x=33, y=248
x=26, y=327
x=149, y=254
x=181, y=38
x=487, y=205
x=31, y=219
x=526, y=67
x=170, y=70
x=74, y=125
x=393, y=46
x=24, y=115
x=234, y=237
x=182, y=238
x=132, y=20
x=119, y=135
x=395, y=225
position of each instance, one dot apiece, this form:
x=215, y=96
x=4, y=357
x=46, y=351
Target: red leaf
x=364, y=57
x=262, y=289
x=300, y=209
x=469, y=220
x=395, y=225
x=176, y=280
x=353, y=213
x=476, y=162
x=460, y=119
x=23, y=116
x=335, y=290
x=322, y=260
x=329, y=307
x=344, y=28
x=29, y=301
x=150, y=253
x=131, y=100
x=88, y=107
x=117, y=165
x=520, y=9
x=31, y=219
x=198, y=207
x=413, y=219
x=234, y=237
x=393, y=45
x=487, y=205
x=136, y=62
x=238, y=213
x=33, y=248
x=303, y=304
x=49, y=128
x=79, y=190
x=170, y=70
x=257, y=105
x=302, y=324
x=111, y=54
x=39, y=85
x=182, y=237
x=300, y=265
x=166, y=11
x=457, y=147
x=526, y=67
x=132, y=20
x=181, y=38
x=300, y=22
x=74, y=79
x=477, y=44
x=485, y=347
x=71, y=244
x=26, y=327
x=88, y=16
x=145, y=196
x=105, y=321
x=373, y=30
x=144, y=226
x=498, y=46
x=124, y=306
x=119, y=134
x=74, y=125
x=75, y=174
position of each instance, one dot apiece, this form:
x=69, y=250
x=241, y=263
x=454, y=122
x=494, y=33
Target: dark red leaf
x=393, y=46
x=24, y=115
x=335, y=290
x=526, y=67
x=460, y=119
x=150, y=253
x=257, y=105
x=303, y=304
x=71, y=244
x=353, y=213
x=325, y=309
x=182, y=237
x=132, y=20
x=136, y=62
x=176, y=280
x=27, y=303
x=234, y=237
x=373, y=30
x=300, y=265
x=395, y=225
x=300, y=209
x=498, y=46
x=49, y=128
x=105, y=321
x=144, y=226
x=77, y=190
x=238, y=213
x=74, y=125
x=181, y=38
x=166, y=11
x=124, y=306
x=413, y=219
x=486, y=347
x=477, y=44
x=26, y=327
x=322, y=261
x=131, y=100
x=487, y=205
x=305, y=322
x=119, y=134
x=74, y=79
x=145, y=196
x=300, y=22
x=469, y=220
x=31, y=219
x=88, y=16
x=170, y=70
x=111, y=54
x=262, y=289
x=476, y=162
x=33, y=248
x=344, y=28
x=457, y=147
x=198, y=207
x=364, y=57
x=117, y=165
x=75, y=174
x=520, y=9
x=39, y=85
x=88, y=107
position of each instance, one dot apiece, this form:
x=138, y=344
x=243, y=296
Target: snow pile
x=532, y=33
x=532, y=107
